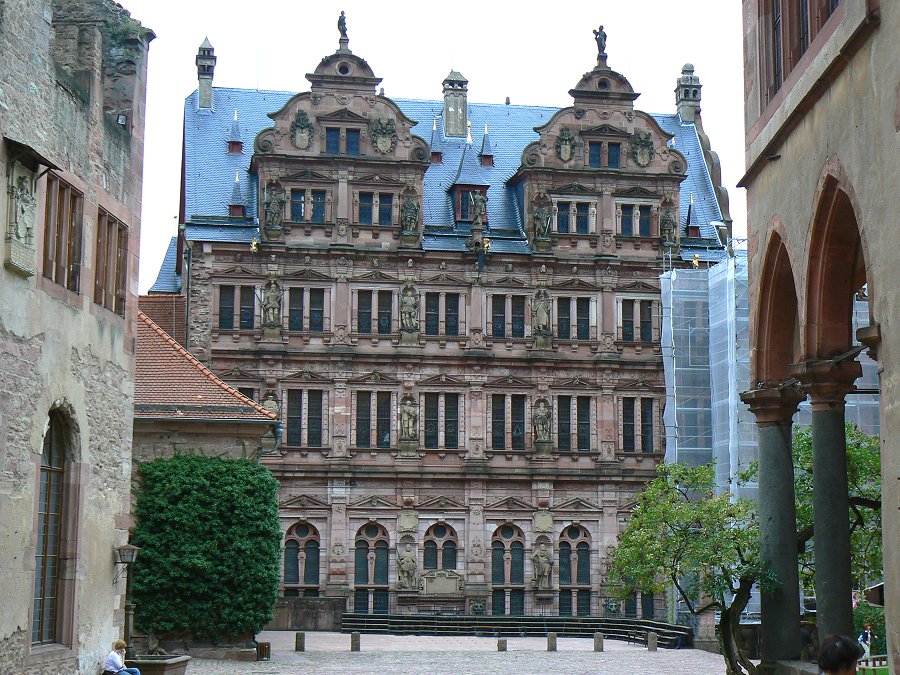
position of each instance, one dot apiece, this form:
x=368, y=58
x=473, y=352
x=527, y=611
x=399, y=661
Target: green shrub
x=210, y=547
x=873, y=614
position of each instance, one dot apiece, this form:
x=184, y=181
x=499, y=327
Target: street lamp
x=126, y=554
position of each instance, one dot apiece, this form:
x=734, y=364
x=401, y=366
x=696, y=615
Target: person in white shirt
x=115, y=661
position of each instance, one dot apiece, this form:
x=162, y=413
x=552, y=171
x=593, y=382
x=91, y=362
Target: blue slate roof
x=167, y=281
x=232, y=233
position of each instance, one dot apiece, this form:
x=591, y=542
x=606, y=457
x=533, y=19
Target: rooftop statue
x=600, y=37
x=342, y=25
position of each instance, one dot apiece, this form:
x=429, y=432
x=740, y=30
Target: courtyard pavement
x=381, y=654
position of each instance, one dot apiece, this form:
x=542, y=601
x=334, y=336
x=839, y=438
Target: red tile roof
x=172, y=384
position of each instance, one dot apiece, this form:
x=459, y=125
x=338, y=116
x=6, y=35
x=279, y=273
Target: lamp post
x=126, y=555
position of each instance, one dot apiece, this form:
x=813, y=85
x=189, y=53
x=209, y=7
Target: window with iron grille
x=295, y=309
x=364, y=311
x=298, y=205
x=584, y=423
x=353, y=142
x=383, y=416
x=363, y=419
x=63, y=233
x=564, y=318
x=498, y=316
x=628, y=435
x=384, y=312
x=564, y=422
x=314, y=418
x=517, y=409
x=226, y=307
x=432, y=313
x=628, y=320
x=583, y=318
x=431, y=420
x=317, y=310
x=518, y=316
x=318, y=206
x=498, y=421
x=366, y=202
x=111, y=263
x=647, y=424
x=332, y=141
x=248, y=307
x=385, y=208
x=451, y=314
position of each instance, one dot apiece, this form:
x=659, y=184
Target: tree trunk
x=729, y=631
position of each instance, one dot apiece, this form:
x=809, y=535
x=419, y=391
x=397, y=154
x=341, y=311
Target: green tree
x=210, y=547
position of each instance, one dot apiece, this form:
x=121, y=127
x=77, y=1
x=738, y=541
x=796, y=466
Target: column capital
x=826, y=382
x=773, y=403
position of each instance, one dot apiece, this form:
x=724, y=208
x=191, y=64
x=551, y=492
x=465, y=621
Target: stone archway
x=777, y=327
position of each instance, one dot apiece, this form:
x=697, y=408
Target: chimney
x=687, y=94
x=455, y=104
x=206, y=64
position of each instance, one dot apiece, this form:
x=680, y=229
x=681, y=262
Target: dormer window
x=235, y=147
x=464, y=207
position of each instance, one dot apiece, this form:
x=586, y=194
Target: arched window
x=370, y=569
x=301, y=561
x=508, y=570
x=439, y=548
x=574, y=571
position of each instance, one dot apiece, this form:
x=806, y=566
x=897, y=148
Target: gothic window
x=366, y=202
x=508, y=571
x=332, y=141
x=304, y=403
x=301, y=561
x=295, y=309
x=385, y=208
x=298, y=205
x=370, y=570
x=111, y=263
x=385, y=302
x=574, y=571
x=364, y=312
x=614, y=151
x=353, y=142
x=317, y=310
x=440, y=548
x=63, y=233
x=564, y=422
x=564, y=318
x=318, y=206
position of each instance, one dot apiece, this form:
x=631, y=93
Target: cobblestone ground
x=381, y=654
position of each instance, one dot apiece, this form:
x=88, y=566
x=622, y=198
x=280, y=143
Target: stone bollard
x=501, y=645
x=354, y=641
x=300, y=642
x=598, y=642
x=551, y=642
x=651, y=641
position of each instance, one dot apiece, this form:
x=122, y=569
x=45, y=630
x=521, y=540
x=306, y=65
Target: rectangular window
x=628, y=320
x=465, y=204
x=583, y=318
x=498, y=316
x=295, y=309
x=111, y=263
x=614, y=151
x=314, y=418
x=517, y=595
x=248, y=307
x=366, y=201
x=517, y=406
x=298, y=205
x=584, y=602
x=627, y=228
x=647, y=424
x=249, y=392
x=518, y=316
x=385, y=208
x=63, y=233
x=48, y=554
x=431, y=420
x=498, y=595
x=353, y=142
x=564, y=318
x=384, y=312
x=582, y=217
x=594, y=155
x=564, y=422
x=332, y=141
x=364, y=312
x=383, y=419
x=646, y=321
x=318, y=206
x=777, y=51
x=451, y=314
x=498, y=422
x=432, y=313
x=226, y=307
x=565, y=596
x=317, y=310
x=562, y=217
x=802, y=27
x=364, y=419
x=584, y=423
x=644, y=221
x=294, y=417
x=451, y=421
x=627, y=425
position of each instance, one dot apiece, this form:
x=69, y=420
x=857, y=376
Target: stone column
x=827, y=384
x=780, y=608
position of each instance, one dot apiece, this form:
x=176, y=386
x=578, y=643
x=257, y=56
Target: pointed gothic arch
x=777, y=338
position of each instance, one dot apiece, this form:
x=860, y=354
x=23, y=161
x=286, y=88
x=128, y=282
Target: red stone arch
x=777, y=338
x=836, y=266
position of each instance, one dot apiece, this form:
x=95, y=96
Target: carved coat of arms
x=302, y=131
x=565, y=145
x=642, y=148
x=384, y=135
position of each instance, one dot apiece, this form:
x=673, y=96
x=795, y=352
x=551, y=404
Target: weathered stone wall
x=58, y=350
x=200, y=303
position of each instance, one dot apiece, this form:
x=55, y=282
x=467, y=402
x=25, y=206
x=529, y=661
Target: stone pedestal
x=271, y=332
x=543, y=341
x=409, y=239
x=409, y=448
x=551, y=642
x=543, y=449
x=598, y=642
x=409, y=338
x=543, y=245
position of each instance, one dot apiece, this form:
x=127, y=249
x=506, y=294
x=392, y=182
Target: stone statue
x=479, y=207
x=272, y=305
x=540, y=313
x=600, y=37
x=409, y=415
x=406, y=569
x=541, y=221
x=342, y=25
x=23, y=226
x=542, y=562
x=409, y=309
x=541, y=418
x=410, y=214
x=274, y=210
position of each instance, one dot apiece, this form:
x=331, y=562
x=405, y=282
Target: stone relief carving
x=541, y=419
x=409, y=416
x=543, y=521
x=21, y=225
x=542, y=563
x=642, y=151
x=271, y=305
x=477, y=549
x=302, y=131
x=407, y=569
x=408, y=520
x=384, y=135
x=565, y=145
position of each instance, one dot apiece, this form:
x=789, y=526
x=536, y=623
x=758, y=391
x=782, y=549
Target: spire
x=487, y=152
x=235, y=141
x=206, y=65
x=436, y=155
x=469, y=132
x=236, y=205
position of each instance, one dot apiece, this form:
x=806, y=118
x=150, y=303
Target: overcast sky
x=533, y=53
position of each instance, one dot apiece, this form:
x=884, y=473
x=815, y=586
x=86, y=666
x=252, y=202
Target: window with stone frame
x=317, y=310
x=440, y=547
x=319, y=198
x=332, y=141
x=370, y=570
x=364, y=311
x=365, y=208
x=564, y=318
x=626, y=224
x=646, y=310
x=564, y=423
x=432, y=313
x=628, y=428
x=352, y=140
x=247, y=309
x=647, y=426
x=595, y=154
x=644, y=220
x=573, y=217
x=498, y=316
x=240, y=298
x=575, y=571
x=304, y=417
x=441, y=420
x=614, y=154
x=301, y=561
x=508, y=413
x=638, y=423
x=451, y=314
x=385, y=312
x=628, y=320
x=635, y=220
x=111, y=262
x=372, y=417
x=63, y=233
x=298, y=205
x=508, y=571
x=517, y=305
x=583, y=421
x=249, y=392
x=296, y=305
x=385, y=208
x=583, y=318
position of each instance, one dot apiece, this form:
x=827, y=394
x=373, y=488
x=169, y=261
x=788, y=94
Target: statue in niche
x=541, y=417
x=409, y=309
x=274, y=206
x=600, y=37
x=406, y=569
x=23, y=213
x=342, y=25
x=540, y=313
x=541, y=221
x=542, y=562
x=409, y=416
x=479, y=207
x=410, y=214
x=271, y=305
x=667, y=225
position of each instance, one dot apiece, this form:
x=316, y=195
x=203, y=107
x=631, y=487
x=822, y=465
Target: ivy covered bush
x=210, y=547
